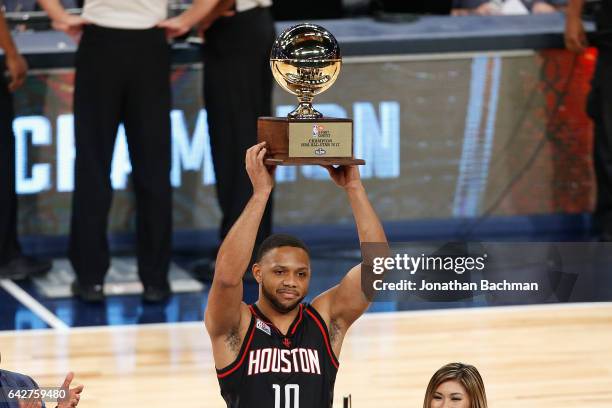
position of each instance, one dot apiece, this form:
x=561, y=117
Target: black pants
x=122, y=76
x=237, y=90
x=600, y=109
x=9, y=247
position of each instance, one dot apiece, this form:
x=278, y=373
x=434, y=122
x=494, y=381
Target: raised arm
x=16, y=65
x=575, y=37
x=344, y=303
x=223, y=312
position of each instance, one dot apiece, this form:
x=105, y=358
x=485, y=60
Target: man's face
x=284, y=276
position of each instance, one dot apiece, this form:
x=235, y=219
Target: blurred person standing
x=13, y=263
x=122, y=76
x=599, y=105
x=238, y=36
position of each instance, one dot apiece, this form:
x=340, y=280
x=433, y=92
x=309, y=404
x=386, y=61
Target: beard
x=278, y=306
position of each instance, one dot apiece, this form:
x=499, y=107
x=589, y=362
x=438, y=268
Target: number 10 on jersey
x=289, y=389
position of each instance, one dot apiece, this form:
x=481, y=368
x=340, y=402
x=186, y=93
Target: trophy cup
x=305, y=61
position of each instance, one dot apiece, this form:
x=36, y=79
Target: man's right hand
x=575, y=37
x=71, y=25
x=262, y=176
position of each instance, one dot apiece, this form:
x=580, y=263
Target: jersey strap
x=224, y=372
x=316, y=317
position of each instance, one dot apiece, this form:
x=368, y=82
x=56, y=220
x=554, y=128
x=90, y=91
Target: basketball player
x=280, y=352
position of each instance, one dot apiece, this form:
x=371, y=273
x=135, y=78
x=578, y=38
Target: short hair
x=467, y=375
x=279, y=240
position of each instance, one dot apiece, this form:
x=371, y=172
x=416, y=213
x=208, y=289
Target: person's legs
x=98, y=99
x=13, y=264
x=9, y=247
x=237, y=90
x=600, y=110
x=147, y=125
x=219, y=106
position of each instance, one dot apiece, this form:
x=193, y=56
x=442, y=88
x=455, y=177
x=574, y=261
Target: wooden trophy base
x=300, y=161
x=291, y=142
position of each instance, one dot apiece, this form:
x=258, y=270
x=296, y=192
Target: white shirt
x=126, y=14
x=243, y=5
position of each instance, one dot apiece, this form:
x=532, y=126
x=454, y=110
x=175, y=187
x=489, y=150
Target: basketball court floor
x=132, y=355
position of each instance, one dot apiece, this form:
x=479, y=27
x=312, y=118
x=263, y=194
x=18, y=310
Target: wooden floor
x=539, y=356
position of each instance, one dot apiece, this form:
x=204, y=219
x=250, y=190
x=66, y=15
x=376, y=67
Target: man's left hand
x=345, y=176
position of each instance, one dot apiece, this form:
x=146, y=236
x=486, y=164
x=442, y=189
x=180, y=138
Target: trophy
x=305, y=61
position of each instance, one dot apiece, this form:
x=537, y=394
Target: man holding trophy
x=280, y=351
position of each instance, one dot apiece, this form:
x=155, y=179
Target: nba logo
x=263, y=327
x=316, y=129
